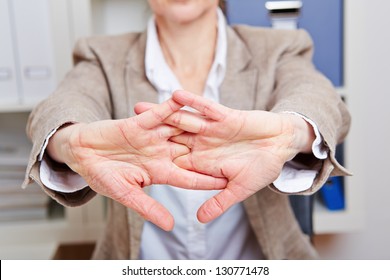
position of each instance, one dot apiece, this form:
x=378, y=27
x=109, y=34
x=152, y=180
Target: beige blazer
x=266, y=70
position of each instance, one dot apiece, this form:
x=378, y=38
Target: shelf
x=16, y=108
x=15, y=147
x=327, y=221
x=56, y=231
x=37, y=239
x=351, y=219
x=342, y=91
x=81, y=224
x=33, y=251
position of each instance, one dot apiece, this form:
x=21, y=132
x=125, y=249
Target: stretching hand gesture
x=248, y=148
x=118, y=158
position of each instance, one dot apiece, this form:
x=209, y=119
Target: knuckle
x=177, y=118
x=202, y=128
x=157, y=115
x=195, y=183
x=219, y=205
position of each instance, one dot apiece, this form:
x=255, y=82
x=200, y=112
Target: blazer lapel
x=138, y=88
x=238, y=90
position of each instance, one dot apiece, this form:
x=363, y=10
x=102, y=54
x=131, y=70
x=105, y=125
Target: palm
x=234, y=147
x=118, y=158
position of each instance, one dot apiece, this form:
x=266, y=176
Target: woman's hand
x=249, y=148
x=118, y=158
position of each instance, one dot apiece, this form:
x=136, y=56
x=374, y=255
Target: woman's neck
x=189, y=48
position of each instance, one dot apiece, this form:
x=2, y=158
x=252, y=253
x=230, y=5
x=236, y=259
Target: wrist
x=58, y=147
x=303, y=134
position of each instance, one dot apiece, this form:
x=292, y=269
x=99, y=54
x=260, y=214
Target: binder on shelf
x=322, y=19
x=284, y=14
x=8, y=80
x=20, y=204
x=332, y=194
x=15, y=147
x=17, y=204
x=35, y=48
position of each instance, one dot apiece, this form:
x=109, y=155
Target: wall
x=368, y=97
x=118, y=16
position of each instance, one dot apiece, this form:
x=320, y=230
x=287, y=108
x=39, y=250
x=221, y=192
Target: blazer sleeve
x=83, y=96
x=300, y=88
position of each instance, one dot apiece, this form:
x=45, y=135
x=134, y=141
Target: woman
x=278, y=113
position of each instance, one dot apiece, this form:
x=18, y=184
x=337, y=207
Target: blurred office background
x=353, y=43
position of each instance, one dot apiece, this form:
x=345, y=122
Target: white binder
x=35, y=49
x=8, y=75
x=284, y=14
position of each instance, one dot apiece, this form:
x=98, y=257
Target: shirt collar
x=154, y=58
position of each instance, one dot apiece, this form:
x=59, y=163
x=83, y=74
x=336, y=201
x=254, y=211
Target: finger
x=205, y=106
x=185, y=120
x=185, y=162
x=178, y=150
x=187, y=179
x=187, y=139
x=148, y=208
x=217, y=205
x=157, y=114
x=141, y=107
x=166, y=131
x=190, y=122
x=202, y=164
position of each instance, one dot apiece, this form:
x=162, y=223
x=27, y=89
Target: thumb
x=141, y=107
x=218, y=204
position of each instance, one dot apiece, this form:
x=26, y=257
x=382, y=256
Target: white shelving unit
x=80, y=224
x=70, y=20
x=38, y=239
